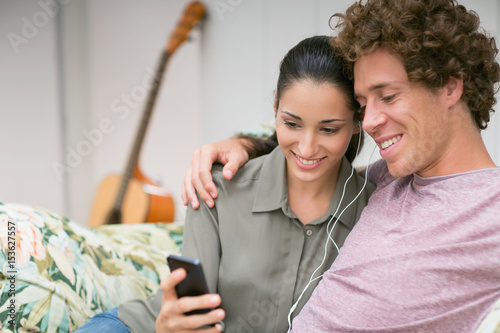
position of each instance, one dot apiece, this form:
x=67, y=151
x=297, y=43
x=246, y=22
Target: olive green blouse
x=255, y=252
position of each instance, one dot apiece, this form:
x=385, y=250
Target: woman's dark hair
x=315, y=59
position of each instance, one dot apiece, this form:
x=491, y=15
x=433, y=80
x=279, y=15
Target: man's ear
x=454, y=90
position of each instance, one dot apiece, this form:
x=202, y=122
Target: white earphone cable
x=329, y=232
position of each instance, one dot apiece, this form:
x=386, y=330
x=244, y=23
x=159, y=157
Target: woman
x=266, y=235
x=279, y=222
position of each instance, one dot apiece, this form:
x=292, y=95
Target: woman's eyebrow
x=326, y=121
x=292, y=115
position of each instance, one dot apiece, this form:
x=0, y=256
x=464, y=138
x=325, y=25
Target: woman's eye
x=329, y=130
x=291, y=124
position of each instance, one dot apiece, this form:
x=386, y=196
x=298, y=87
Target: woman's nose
x=308, y=145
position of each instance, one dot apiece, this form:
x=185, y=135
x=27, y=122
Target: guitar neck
x=141, y=131
x=193, y=13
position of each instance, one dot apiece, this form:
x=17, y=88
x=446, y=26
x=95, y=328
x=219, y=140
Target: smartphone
x=194, y=284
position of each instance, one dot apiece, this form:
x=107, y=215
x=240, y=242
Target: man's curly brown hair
x=436, y=40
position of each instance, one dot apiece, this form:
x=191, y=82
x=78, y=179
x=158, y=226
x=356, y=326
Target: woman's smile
x=307, y=164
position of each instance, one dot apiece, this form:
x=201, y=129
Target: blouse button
x=309, y=232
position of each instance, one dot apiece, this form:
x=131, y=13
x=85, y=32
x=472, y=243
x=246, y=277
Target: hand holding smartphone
x=194, y=284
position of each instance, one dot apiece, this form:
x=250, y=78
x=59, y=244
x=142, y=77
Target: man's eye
x=388, y=98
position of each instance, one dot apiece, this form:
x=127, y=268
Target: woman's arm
x=232, y=153
x=201, y=241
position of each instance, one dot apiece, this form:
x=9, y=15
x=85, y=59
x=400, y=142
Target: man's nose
x=374, y=117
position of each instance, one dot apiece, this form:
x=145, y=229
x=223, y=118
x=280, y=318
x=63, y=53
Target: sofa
x=56, y=273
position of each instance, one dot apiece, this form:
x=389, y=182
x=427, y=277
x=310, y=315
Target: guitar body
x=143, y=202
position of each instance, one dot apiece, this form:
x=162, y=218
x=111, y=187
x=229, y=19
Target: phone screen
x=194, y=284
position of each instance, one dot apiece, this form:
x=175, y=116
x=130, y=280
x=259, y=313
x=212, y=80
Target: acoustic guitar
x=133, y=198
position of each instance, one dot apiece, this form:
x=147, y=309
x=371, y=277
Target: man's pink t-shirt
x=424, y=257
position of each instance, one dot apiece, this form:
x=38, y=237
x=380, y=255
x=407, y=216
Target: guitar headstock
x=193, y=13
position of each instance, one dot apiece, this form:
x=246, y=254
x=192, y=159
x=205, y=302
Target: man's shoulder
x=378, y=173
x=486, y=181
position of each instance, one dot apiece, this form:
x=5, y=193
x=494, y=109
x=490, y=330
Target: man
x=425, y=254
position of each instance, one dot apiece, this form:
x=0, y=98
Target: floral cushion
x=56, y=274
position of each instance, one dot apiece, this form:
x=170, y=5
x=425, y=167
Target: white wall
x=86, y=56
x=489, y=11
x=29, y=106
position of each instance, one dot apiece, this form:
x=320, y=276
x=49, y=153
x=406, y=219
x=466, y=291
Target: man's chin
x=397, y=170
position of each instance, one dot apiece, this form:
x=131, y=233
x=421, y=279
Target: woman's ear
x=357, y=129
x=275, y=102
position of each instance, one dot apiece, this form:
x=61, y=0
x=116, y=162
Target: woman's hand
x=230, y=152
x=171, y=317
